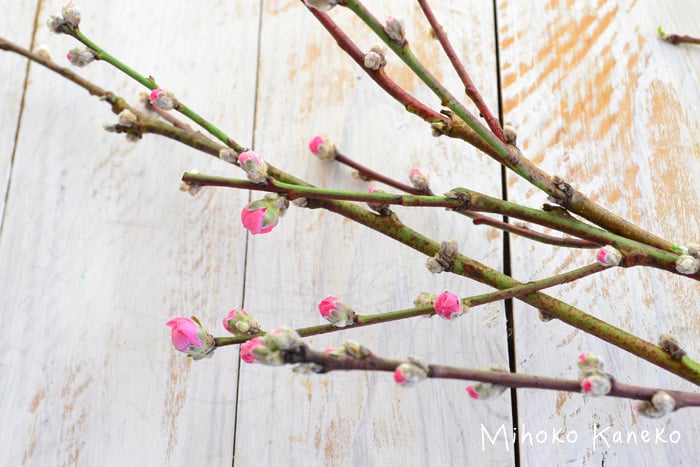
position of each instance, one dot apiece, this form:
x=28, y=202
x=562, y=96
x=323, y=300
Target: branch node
x=567, y=192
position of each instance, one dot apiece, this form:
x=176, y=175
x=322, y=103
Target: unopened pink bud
x=80, y=56
x=261, y=216
x=189, y=337
x=247, y=349
x=589, y=364
x=596, y=385
x=408, y=374
x=325, y=150
x=483, y=390
x=239, y=323
x=418, y=180
x=448, y=305
x=162, y=99
x=254, y=166
x=608, y=256
x=336, y=312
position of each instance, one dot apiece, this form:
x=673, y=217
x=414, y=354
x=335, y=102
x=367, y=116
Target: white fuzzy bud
x=71, y=15
x=375, y=59
x=127, y=118
x=687, y=264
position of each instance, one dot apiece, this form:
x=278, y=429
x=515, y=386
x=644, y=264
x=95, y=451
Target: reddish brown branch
x=411, y=104
x=371, y=362
x=469, y=87
x=568, y=242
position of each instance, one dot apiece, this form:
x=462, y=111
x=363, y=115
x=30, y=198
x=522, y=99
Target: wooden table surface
x=99, y=248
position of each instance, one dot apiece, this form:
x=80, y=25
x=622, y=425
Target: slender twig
x=165, y=115
x=470, y=302
x=526, y=232
x=411, y=104
x=569, y=242
x=635, y=253
x=368, y=174
x=509, y=155
x=676, y=39
x=150, y=83
x=469, y=87
x=326, y=363
x=685, y=368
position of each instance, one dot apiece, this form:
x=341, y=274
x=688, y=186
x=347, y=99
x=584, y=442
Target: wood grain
x=600, y=101
x=17, y=24
x=100, y=249
x=306, y=88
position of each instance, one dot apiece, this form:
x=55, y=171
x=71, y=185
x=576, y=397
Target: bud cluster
x=270, y=348
x=594, y=381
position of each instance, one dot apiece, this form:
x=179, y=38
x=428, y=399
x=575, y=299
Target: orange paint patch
x=668, y=160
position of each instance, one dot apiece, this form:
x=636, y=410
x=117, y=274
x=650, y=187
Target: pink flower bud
x=80, y=56
x=261, y=216
x=247, y=349
x=162, y=99
x=418, y=180
x=71, y=15
x=485, y=390
x=336, y=312
x=608, y=256
x=269, y=348
x=395, y=30
x=408, y=374
x=448, y=305
x=189, y=337
x=589, y=364
x=325, y=150
x=254, y=166
x=596, y=385
x=239, y=323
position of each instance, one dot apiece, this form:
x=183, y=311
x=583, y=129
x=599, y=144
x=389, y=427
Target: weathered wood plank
x=17, y=22
x=100, y=249
x=307, y=86
x=600, y=101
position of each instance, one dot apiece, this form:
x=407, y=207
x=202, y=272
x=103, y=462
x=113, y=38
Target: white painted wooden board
x=600, y=101
x=100, y=249
x=306, y=87
x=18, y=24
